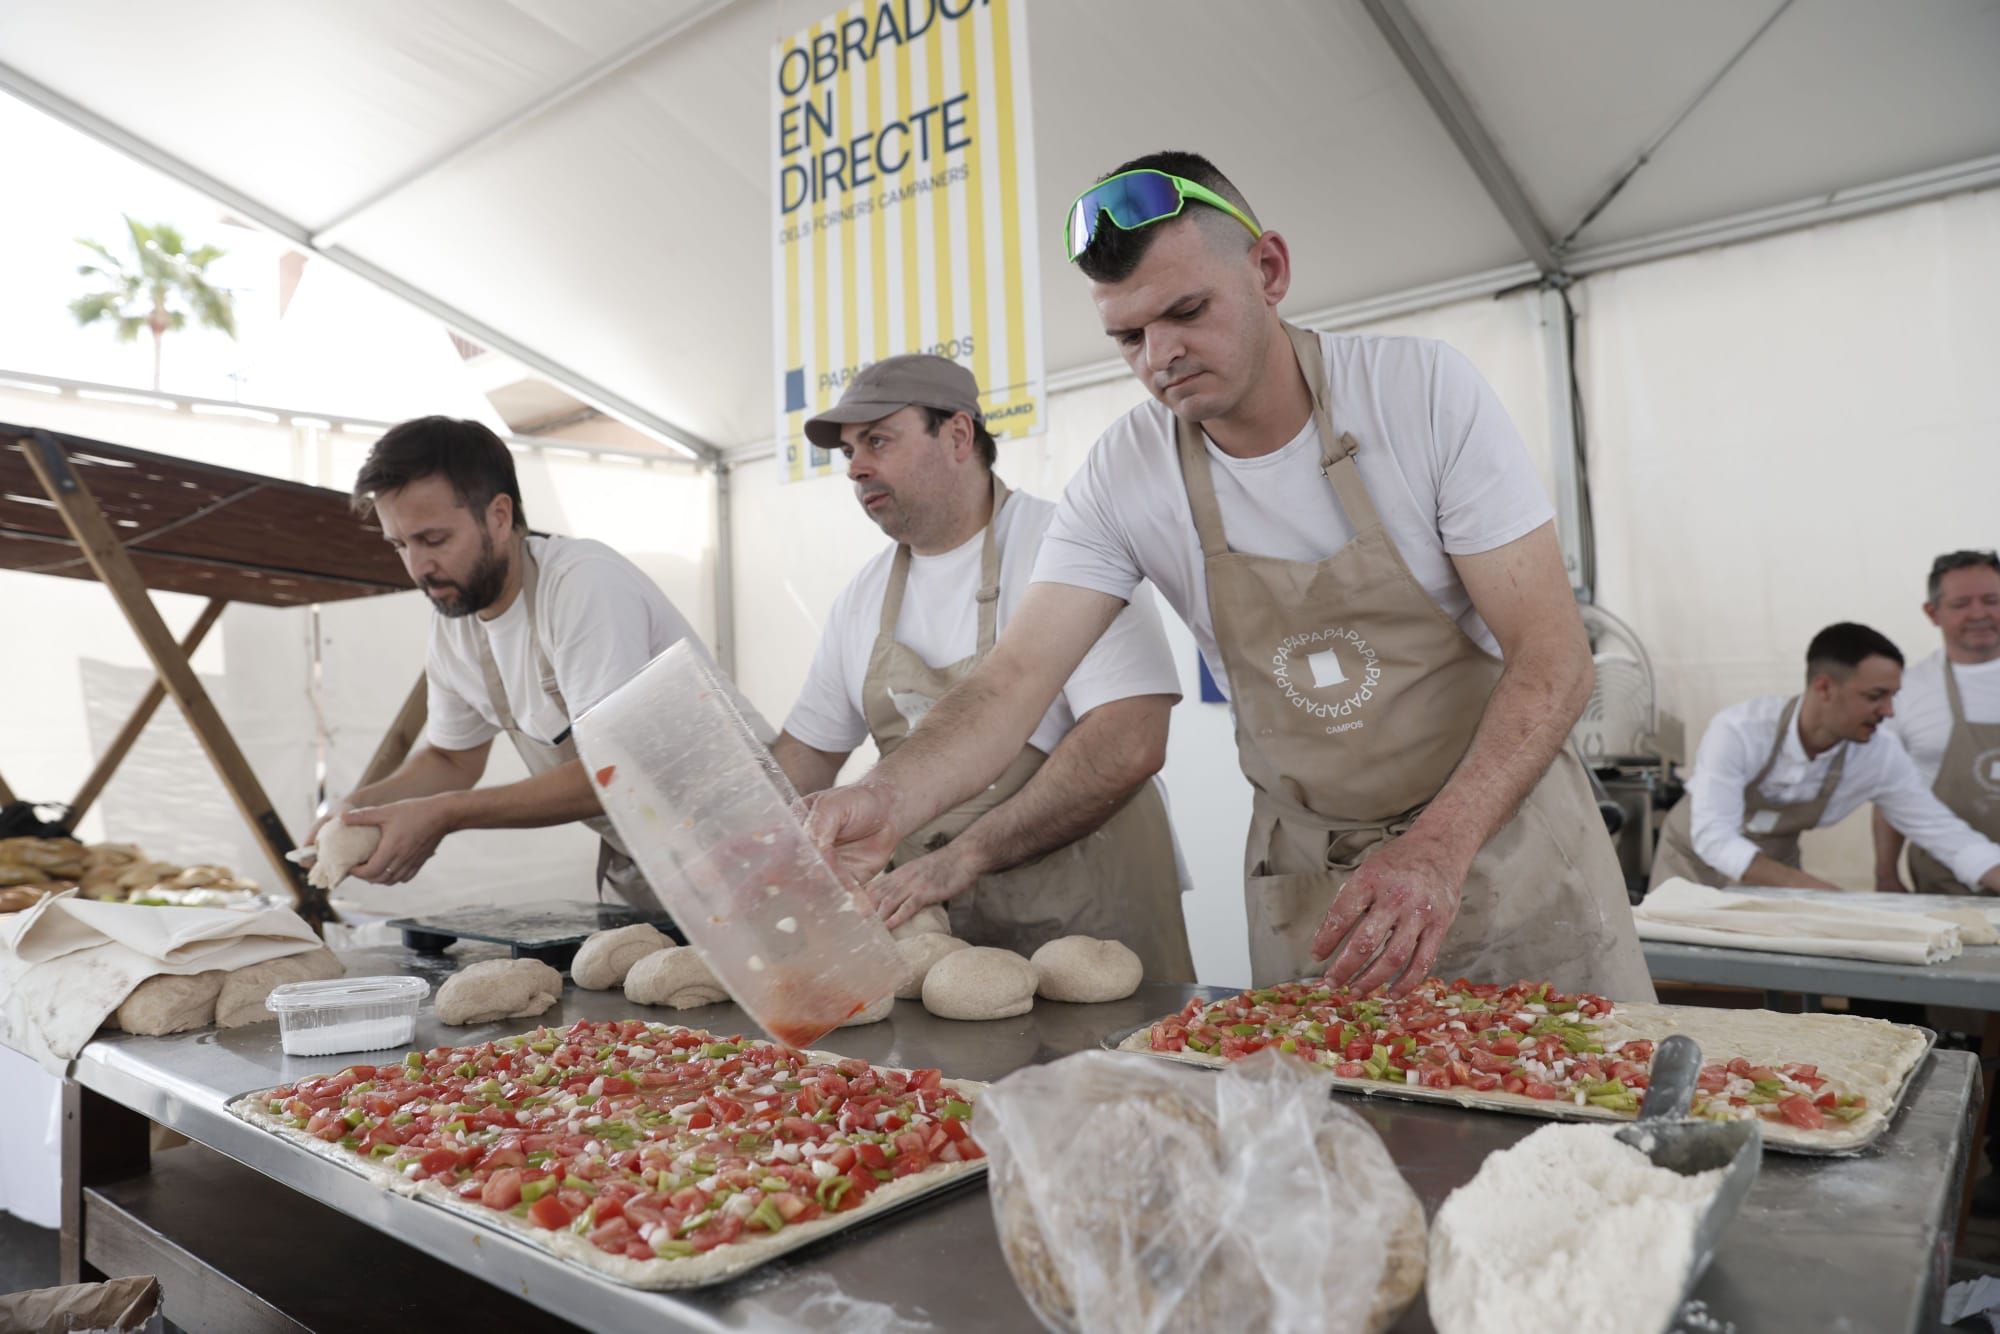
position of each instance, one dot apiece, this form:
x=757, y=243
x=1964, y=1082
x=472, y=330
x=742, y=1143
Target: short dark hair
x=475, y=461
x=1837, y=650
x=1114, y=252
x=935, y=418
x=1959, y=560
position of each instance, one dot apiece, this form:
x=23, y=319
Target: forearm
x=426, y=773
x=1527, y=721
x=1888, y=851
x=558, y=796
x=963, y=743
x=808, y=768
x=1110, y=754
x=1774, y=873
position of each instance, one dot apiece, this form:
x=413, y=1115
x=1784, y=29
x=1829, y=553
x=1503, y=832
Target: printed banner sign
x=904, y=209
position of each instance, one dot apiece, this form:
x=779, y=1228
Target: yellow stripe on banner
x=792, y=422
x=814, y=395
x=975, y=210
x=878, y=225
x=913, y=307
x=850, y=286
x=1010, y=216
x=940, y=201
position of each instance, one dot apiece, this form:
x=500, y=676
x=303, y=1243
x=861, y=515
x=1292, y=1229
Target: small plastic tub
x=347, y=1013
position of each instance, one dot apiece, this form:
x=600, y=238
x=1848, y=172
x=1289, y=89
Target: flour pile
x=1569, y=1229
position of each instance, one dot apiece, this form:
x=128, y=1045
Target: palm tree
x=157, y=288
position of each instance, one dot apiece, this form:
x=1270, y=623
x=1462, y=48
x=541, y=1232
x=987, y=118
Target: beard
x=480, y=588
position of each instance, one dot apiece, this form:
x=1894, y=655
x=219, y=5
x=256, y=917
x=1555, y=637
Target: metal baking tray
x=550, y=930
x=1554, y=1110
x=792, y=1239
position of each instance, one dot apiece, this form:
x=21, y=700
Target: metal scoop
x=1672, y=1139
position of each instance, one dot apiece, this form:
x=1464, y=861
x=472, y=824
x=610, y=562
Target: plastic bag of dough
x=1137, y=1197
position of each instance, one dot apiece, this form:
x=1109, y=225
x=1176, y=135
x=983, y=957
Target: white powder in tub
x=1569, y=1229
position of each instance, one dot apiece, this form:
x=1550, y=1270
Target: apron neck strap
x=1951, y=694
x=496, y=685
x=1833, y=772
x=1336, y=462
x=989, y=577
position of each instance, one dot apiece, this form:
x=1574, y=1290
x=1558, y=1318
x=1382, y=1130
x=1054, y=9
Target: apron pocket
x=1287, y=904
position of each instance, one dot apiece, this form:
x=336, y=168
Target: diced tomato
x=549, y=1212
x=1349, y=1069
x=720, y=1232
x=1541, y=1092
x=871, y=1155
x=437, y=1162
x=1513, y=1084
x=700, y=1119
x=1435, y=1079
x=503, y=1189
x=1801, y=1113
x=611, y=1236
x=1828, y=1099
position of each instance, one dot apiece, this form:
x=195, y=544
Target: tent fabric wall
x=1782, y=435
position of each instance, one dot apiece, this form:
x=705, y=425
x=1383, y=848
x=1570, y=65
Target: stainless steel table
x=1822, y=1243
x=1971, y=981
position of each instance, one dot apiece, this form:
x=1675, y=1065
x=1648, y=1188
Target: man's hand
x=1890, y=882
x=853, y=828
x=1393, y=914
x=411, y=831
x=934, y=878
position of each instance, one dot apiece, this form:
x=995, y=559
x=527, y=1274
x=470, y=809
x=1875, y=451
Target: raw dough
x=874, y=1014
x=342, y=847
x=932, y=921
x=498, y=989
x=243, y=989
x=1086, y=970
x=605, y=958
x=1974, y=926
x=980, y=983
x=171, y=1004
x=920, y=954
x=1543, y=1237
x=675, y=976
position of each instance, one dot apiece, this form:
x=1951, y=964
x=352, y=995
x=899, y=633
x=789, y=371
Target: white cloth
x=1686, y=913
x=601, y=620
x=940, y=624
x=1923, y=714
x=1439, y=456
x=1735, y=747
x=68, y=962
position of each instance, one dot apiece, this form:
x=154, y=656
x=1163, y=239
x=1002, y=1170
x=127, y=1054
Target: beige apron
x=1119, y=883
x=1774, y=826
x=614, y=867
x=1968, y=782
x=1355, y=697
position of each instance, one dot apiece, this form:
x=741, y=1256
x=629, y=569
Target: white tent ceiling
x=584, y=186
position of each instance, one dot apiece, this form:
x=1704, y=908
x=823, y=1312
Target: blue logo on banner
x=795, y=389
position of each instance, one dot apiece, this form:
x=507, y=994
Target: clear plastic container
x=709, y=817
x=346, y=1013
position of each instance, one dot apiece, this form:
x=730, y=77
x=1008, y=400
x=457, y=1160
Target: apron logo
x=1326, y=670
x=1986, y=771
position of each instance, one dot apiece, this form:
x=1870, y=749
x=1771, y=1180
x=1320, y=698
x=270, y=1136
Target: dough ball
x=676, y=977
x=1087, y=970
x=980, y=983
x=498, y=989
x=932, y=921
x=244, y=989
x=342, y=847
x=919, y=954
x=874, y=1014
x=170, y=1004
x=605, y=959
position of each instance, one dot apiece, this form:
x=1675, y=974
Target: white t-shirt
x=940, y=623
x=1923, y=715
x=601, y=620
x=1735, y=747
x=1440, y=458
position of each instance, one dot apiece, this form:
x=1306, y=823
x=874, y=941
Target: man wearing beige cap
x=1073, y=838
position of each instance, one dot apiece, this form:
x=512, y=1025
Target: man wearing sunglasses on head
x=1354, y=533
x=1948, y=716
x=1073, y=838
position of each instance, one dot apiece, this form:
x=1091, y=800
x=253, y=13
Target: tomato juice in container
x=711, y=820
